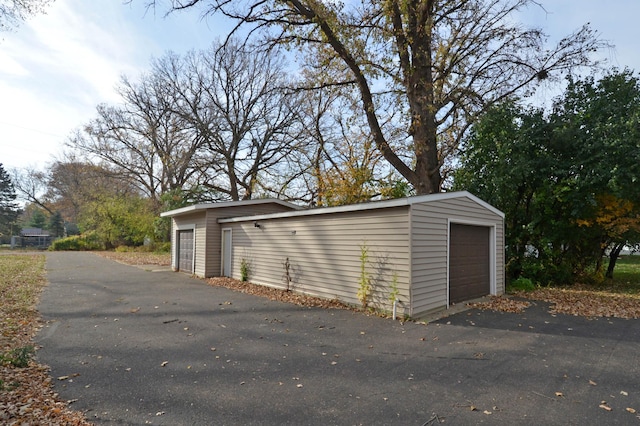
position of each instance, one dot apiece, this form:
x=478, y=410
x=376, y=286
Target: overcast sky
x=55, y=68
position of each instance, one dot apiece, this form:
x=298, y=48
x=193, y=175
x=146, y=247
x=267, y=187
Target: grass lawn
x=626, y=276
x=26, y=396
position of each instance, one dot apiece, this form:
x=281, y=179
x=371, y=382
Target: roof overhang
x=205, y=206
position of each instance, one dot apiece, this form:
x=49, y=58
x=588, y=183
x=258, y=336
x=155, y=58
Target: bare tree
x=145, y=140
x=12, y=12
x=235, y=102
x=341, y=162
x=440, y=63
x=31, y=186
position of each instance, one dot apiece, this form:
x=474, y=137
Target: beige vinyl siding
x=429, y=242
x=324, y=253
x=214, y=235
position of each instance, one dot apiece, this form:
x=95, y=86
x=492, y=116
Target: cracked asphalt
x=134, y=347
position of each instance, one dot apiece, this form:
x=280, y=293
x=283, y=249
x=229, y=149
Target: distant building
x=32, y=238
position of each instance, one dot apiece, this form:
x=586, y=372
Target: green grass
x=626, y=276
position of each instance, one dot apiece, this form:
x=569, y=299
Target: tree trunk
x=613, y=257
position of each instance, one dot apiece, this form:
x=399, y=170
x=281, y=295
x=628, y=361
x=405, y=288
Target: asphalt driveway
x=133, y=347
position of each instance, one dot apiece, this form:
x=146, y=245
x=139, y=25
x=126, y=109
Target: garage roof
x=205, y=206
x=397, y=202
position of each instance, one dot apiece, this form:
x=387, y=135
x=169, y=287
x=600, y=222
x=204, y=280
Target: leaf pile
x=587, y=302
x=26, y=395
x=137, y=258
x=277, y=294
x=502, y=304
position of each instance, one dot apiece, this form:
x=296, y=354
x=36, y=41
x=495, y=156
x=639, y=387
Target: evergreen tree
x=38, y=220
x=56, y=225
x=9, y=210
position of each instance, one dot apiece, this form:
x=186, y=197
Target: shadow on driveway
x=141, y=347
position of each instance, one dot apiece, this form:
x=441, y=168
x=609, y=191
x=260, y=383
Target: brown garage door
x=469, y=275
x=185, y=251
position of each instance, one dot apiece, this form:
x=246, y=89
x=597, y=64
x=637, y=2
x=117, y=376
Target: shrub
x=522, y=284
x=87, y=241
x=18, y=357
x=245, y=270
x=152, y=247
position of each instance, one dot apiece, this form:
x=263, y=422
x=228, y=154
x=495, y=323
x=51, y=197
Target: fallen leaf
x=502, y=304
x=583, y=300
x=299, y=385
x=624, y=393
x=631, y=410
x=487, y=412
x=559, y=394
x=605, y=407
x=164, y=363
x=592, y=383
x=63, y=378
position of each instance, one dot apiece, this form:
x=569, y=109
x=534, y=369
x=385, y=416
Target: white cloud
x=55, y=69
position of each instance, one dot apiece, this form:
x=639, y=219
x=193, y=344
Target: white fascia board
x=205, y=206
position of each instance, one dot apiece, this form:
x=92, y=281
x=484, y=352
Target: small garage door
x=185, y=251
x=469, y=275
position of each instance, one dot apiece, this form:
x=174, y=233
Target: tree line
x=328, y=103
x=567, y=179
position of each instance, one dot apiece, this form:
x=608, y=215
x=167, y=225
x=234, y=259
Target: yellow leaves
x=615, y=215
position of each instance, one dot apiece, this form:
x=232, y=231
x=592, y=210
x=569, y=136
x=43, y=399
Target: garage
x=418, y=254
x=469, y=262
x=185, y=251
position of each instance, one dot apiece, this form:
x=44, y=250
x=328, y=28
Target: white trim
x=493, y=272
x=175, y=259
x=410, y=260
x=205, y=206
x=223, y=251
x=185, y=227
